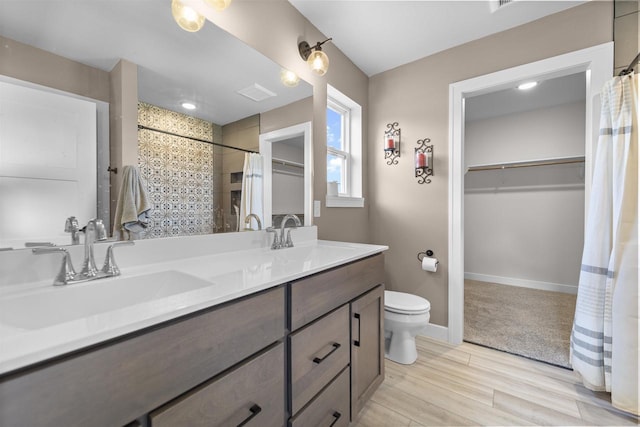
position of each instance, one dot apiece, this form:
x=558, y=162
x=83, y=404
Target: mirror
x=207, y=69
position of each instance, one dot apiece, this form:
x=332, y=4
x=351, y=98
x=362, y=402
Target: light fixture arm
x=305, y=49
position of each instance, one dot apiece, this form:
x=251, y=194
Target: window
x=344, y=149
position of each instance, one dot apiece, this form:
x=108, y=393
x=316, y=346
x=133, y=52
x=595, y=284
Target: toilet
x=405, y=316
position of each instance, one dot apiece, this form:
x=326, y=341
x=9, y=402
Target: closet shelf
x=526, y=163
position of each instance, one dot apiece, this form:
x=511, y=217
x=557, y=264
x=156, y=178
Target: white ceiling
x=206, y=68
x=381, y=35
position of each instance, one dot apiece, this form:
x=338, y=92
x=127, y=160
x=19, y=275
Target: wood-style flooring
x=471, y=385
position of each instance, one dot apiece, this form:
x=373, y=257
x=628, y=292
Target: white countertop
x=35, y=325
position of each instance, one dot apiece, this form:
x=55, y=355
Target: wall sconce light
x=392, y=143
x=315, y=57
x=186, y=17
x=424, y=161
x=289, y=78
x=219, y=5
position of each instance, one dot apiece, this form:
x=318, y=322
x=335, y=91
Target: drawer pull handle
x=357, y=342
x=337, y=416
x=318, y=360
x=255, y=410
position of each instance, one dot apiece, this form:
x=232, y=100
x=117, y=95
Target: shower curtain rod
x=629, y=69
x=524, y=165
x=143, y=127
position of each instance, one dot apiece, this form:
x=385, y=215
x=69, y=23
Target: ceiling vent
x=497, y=4
x=256, y=93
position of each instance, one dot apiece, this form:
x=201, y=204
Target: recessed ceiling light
x=188, y=106
x=527, y=85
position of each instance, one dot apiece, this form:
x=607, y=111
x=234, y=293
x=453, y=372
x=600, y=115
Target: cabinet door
x=367, y=347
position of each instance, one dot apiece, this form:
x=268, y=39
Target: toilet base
x=400, y=347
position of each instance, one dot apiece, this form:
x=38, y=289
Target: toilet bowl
x=405, y=316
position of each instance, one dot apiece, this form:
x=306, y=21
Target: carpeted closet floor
x=527, y=322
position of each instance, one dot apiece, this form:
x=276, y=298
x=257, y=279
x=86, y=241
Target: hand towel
x=133, y=210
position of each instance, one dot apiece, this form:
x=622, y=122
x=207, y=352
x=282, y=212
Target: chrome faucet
x=67, y=274
x=93, y=231
x=248, y=220
x=71, y=226
x=288, y=243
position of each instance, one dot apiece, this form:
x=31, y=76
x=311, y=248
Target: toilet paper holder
x=428, y=252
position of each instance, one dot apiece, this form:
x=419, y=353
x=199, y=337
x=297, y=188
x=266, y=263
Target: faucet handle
x=110, y=268
x=276, y=239
x=66, y=273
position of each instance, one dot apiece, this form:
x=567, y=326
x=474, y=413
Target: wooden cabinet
x=284, y=355
x=326, y=309
x=252, y=394
x=367, y=346
x=120, y=381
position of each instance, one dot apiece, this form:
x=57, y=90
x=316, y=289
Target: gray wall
x=410, y=217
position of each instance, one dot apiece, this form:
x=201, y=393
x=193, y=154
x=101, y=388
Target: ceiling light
x=186, y=16
x=219, y=5
x=527, y=85
x=289, y=78
x=188, y=106
x=315, y=57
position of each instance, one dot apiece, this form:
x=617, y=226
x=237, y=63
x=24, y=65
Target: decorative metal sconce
x=424, y=161
x=392, y=143
x=315, y=57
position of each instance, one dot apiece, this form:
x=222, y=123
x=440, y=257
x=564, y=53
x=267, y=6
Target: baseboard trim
x=437, y=332
x=523, y=283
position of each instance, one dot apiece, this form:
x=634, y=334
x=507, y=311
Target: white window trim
x=352, y=198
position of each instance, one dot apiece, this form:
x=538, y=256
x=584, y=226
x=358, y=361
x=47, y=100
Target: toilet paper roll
x=430, y=264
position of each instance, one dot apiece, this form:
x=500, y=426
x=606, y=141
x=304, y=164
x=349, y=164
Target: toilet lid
x=403, y=303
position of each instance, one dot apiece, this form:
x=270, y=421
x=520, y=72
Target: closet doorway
x=596, y=62
x=524, y=156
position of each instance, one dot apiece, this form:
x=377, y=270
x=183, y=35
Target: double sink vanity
x=207, y=330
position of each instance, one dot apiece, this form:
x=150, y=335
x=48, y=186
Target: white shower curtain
x=604, y=339
x=252, y=191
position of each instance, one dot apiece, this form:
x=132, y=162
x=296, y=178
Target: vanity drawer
x=329, y=408
x=114, y=383
x=252, y=393
x=318, y=294
x=318, y=353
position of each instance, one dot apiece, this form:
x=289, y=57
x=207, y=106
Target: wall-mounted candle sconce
x=424, y=161
x=392, y=143
x=315, y=57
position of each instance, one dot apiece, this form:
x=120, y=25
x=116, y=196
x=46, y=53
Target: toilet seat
x=404, y=303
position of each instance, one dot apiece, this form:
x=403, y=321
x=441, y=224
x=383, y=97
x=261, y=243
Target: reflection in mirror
x=105, y=52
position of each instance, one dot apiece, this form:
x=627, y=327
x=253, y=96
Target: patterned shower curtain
x=604, y=339
x=252, y=191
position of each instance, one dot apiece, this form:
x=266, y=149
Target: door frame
x=596, y=61
x=266, y=139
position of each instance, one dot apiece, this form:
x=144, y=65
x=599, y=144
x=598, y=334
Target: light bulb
x=289, y=78
x=187, y=18
x=219, y=5
x=319, y=62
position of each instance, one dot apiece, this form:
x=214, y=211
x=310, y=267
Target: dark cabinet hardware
x=357, y=342
x=335, y=346
x=255, y=410
x=337, y=416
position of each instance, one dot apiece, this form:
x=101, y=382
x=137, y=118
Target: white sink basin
x=61, y=304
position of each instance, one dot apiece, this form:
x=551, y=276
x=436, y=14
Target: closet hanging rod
x=524, y=165
x=143, y=127
x=287, y=163
x=629, y=69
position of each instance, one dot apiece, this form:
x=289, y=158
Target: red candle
x=391, y=143
x=421, y=160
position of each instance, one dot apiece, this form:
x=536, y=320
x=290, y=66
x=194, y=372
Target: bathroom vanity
x=295, y=347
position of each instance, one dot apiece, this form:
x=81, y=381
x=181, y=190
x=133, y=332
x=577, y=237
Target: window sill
x=344, y=202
